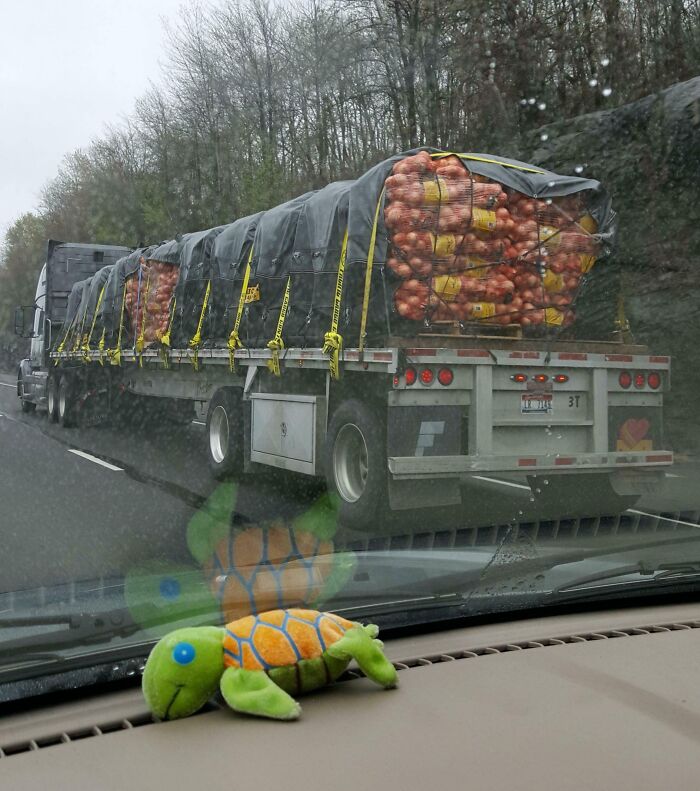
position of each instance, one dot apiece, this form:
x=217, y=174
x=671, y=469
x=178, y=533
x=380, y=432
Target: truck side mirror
x=24, y=321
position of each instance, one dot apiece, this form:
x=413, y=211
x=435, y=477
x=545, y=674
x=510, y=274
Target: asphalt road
x=66, y=516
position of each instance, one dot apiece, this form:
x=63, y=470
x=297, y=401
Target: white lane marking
x=671, y=475
x=199, y=423
x=663, y=518
x=4, y=384
x=95, y=459
x=503, y=483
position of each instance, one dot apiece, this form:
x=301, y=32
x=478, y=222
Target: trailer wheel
x=356, y=465
x=52, y=399
x=225, y=434
x=66, y=403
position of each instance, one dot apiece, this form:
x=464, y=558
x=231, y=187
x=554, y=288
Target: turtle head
x=183, y=671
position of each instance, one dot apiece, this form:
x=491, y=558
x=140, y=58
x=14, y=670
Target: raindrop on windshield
x=605, y=62
x=606, y=91
x=531, y=100
x=548, y=201
x=520, y=513
x=544, y=136
x=593, y=82
x=545, y=482
x=532, y=499
x=578, y=169
x=542, y=106
x=492, y=65
x=523, y=102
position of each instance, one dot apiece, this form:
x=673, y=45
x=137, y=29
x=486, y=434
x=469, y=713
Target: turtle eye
x=169, y=588
x=184, y=653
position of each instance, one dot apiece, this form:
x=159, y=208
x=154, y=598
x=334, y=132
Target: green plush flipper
x=360, y=644
x=254, y=692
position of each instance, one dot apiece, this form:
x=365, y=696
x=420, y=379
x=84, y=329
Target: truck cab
x=42, y=322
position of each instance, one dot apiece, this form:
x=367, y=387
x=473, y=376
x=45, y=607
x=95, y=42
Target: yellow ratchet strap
x=62, y=345
x=86, y=345
x=101, y=347
x=141, y=339
x=368, y=273
x=277, y=343
x=234, y=342
x=333, y=340
x=165, y=340
x=116, y=354
x=196, y=339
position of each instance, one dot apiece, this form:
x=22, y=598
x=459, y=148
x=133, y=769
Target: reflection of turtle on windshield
x=259, y=661
x=242, y=568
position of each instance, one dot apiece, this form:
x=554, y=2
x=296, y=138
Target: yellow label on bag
x=549, y=236
x=475, y=267
x=444, y=244
x=587, y=262
x=253, y=294
x=483, y=220
x=588, y=223
x=553, y=283
x=446, y=287
x=435, y=191
x=483, y=310
x=553, y=317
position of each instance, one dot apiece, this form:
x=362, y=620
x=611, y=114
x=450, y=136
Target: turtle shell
x=281, y=638
x=258, y=568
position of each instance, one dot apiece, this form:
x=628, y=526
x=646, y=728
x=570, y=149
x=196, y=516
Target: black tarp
x=99, y=281
x=230, y=256
x=197, y=270
x=273, y=247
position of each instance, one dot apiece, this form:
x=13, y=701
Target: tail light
x=519, y=378
x=654, y=380
x=410, y=376
x=639, y=381
x=427, y=376
x=445, y=376
x=560, y=378
x=540, y=378
x=625, y=380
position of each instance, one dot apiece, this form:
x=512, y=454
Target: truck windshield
x=384, y=309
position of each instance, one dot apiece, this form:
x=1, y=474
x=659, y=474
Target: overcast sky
x=67, y=68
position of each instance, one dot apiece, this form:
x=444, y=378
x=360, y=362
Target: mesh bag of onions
x=468, y=248
x=149, y=293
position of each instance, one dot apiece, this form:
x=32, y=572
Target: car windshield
x=380, y=308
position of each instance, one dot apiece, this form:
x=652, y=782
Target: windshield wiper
x=646, y=576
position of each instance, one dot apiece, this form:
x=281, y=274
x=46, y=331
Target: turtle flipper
x=359, y=643
x=254, y=692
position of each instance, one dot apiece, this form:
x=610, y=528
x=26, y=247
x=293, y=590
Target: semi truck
x=392, y=421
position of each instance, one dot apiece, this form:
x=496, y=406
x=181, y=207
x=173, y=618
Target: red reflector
x=410, y=376
x=473, y=353
x=445, y=376
x=519, y=377
x=658, y=359
x=560, y=378
x=572, y=356
x=654, y=380
x=625, y=380
x=540, y=377
x=660, y=457
x=619, y=358
x=639, y=381
x=564, y=461
x=421, y=352
x=396, y=380
x=427, y=376
x=527, y=462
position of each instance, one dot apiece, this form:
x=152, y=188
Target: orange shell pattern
x=281, y=637
x=256, y=569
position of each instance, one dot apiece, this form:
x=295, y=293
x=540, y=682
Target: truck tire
x=225, y=434
x=52, y=399
x=356, y=464
x=66, y=403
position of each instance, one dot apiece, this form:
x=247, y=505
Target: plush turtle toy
x=259, y=662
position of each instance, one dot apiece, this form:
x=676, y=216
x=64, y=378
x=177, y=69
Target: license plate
x=536, y=403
